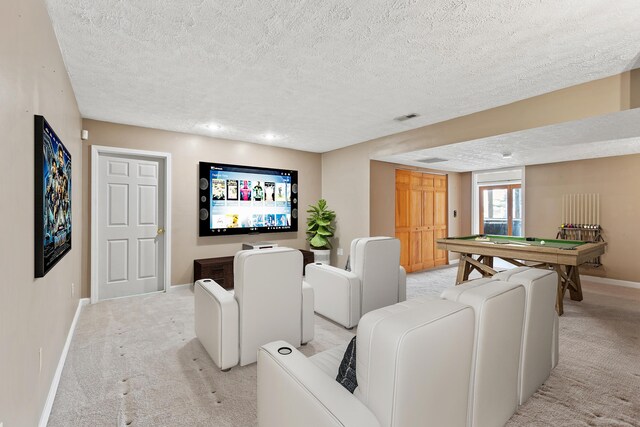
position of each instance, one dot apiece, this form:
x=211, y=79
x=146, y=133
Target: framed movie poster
x=52, y=198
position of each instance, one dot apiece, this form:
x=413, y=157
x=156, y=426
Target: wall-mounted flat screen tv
x=236, y=199
x=52, y=198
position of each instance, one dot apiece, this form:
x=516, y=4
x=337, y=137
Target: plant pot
x=323, y=256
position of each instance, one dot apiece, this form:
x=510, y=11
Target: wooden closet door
x=402, y=208
x=402, y=215
x=415, y=222
x=428, y=223
x=440, y=217
x=421, y=218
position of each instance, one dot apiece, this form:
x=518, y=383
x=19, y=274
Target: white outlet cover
x=340, y=251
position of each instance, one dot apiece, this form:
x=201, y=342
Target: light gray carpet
x=136, y=361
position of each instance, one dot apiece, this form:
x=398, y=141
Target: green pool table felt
x=549, y=243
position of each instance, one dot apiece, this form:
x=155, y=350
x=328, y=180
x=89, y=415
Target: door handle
x=160, y=231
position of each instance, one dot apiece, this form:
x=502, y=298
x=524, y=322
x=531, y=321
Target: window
x=498, y=202
x=500, y=210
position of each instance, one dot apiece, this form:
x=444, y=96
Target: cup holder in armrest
x=284, y=351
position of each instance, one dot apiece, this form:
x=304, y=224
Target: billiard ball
x=542, y=242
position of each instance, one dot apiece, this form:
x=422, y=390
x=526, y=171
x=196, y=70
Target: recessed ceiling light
x=507, y=155
x=214, y=126
x=270, y=136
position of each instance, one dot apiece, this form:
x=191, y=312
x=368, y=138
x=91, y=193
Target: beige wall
x=346, y=171
x=382, y=197
x=345, y=186
x=34, y=313
x=465, y=203
x=456, y=224
x=617, y=180
x=186, y=151
x=634, y=88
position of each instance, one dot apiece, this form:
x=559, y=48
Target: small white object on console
x=259, y=245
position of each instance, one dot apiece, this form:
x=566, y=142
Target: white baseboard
x=176, y=287
x=46, y=411
x=607, y=281
x=454, y=261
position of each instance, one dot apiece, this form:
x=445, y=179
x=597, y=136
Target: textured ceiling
x=614, y=134
x=320, y=75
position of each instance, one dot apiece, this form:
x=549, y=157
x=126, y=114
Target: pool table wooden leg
x=488, y=261
x=468, y=268
x=575, y=287
x=478, y=265
x=462, y=269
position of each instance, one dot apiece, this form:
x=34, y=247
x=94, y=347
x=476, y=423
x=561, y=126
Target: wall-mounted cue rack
x=581, y=220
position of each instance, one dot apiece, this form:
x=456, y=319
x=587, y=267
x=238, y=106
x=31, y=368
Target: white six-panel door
x=130, y=226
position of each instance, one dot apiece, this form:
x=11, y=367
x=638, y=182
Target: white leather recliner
x=376, y=280
x=398, y=361
x=413, y=367
x=269, y=303
x=540, y=344
x=499, y=312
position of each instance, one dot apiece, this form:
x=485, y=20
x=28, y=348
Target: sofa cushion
x=347, y=370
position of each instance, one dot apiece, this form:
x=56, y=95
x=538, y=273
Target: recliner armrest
x=217, y=322
x=336, y=293
x=308, y=319
x=292, y=391
x=402, y=284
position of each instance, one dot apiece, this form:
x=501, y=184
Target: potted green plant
x=319, y=230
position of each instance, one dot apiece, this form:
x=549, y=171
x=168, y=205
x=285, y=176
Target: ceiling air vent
x=406, y=117
x=429, y=160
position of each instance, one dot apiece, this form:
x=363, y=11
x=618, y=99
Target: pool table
x=564, y=256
